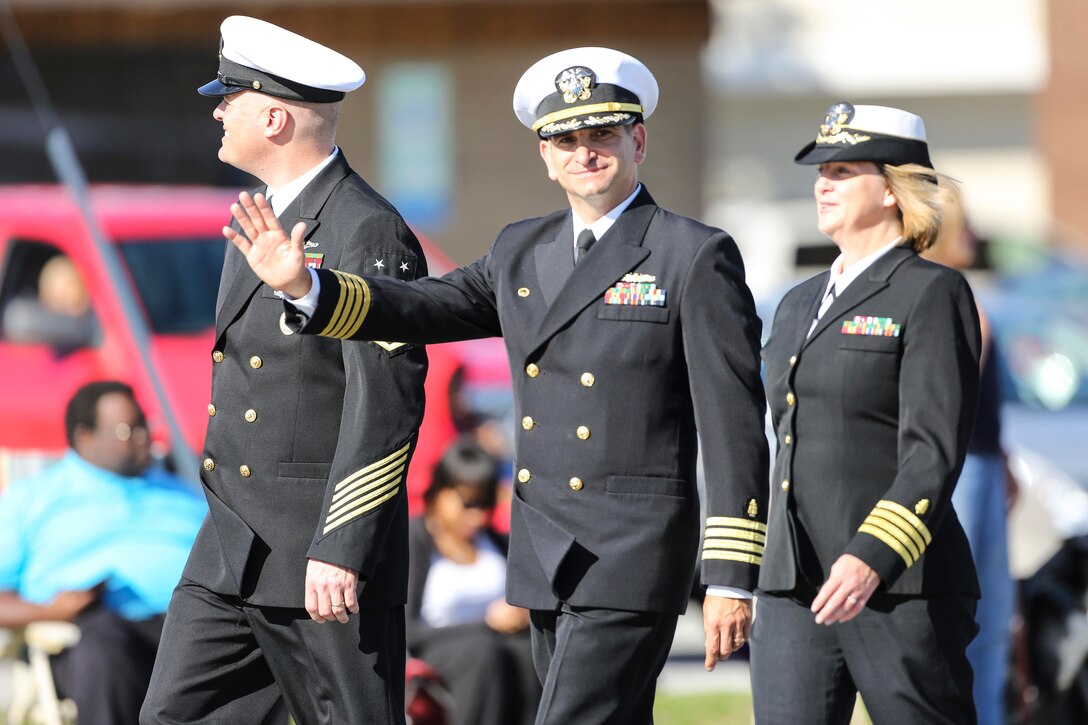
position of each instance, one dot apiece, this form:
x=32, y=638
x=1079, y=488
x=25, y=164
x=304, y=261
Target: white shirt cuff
x=728, y=592
x=307, y=304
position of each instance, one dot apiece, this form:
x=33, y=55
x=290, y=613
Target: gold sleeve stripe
x=736, y=534
x=891, y=542
x=357, y=511
x=737, y=522
x=733, y=556
x=899, y=523
x=367, y=491
x=907, y=514
x=901, y=537
x=376, y=493
x=350, y=291
x=398, y=462
x=351, y=307
x=737, y=545
x=343, y=303
x=360, y=313
x=359, y=300
x=374, y=466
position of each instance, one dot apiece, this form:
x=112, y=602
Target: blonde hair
x=925, y=197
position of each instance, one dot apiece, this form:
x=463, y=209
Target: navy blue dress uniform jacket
x=608, y=399
x=309, y=438
x=873, y=413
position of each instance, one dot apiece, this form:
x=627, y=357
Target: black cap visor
x=878, y=149
x=235, y=78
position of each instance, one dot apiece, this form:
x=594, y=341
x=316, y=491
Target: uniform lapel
x=870, y=282
x=233, y=263
x=808, y=304
x=614, y=254
x=306, y=207
x=555, y=261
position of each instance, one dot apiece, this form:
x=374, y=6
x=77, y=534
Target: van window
x=177, y=280
x=44, y=299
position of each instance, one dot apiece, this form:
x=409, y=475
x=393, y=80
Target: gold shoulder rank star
x=379, y=264
x=403, y=266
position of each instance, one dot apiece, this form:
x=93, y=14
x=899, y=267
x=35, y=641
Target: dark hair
x=83, y=407
x=465, y=463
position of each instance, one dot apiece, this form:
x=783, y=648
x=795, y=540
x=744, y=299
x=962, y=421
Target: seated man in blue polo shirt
x=99, y=539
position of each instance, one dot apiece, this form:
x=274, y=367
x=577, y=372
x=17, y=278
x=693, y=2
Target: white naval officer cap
x=255, y=55
x=584, y=87
x=880, y=134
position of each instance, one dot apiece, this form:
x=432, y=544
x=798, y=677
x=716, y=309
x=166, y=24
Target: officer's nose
x=585, y=155
x=217, y=114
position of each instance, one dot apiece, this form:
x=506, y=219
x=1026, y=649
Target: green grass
x=703, y=708
x=718, y=708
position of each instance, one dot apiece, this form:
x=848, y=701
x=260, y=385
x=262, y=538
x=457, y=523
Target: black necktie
x=825, y=305
x=585, y=241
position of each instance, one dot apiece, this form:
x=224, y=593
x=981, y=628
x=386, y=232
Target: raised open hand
x=274, y=257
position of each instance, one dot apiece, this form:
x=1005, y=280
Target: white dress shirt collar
x=842, y=276
x=281, y=198
x=605, y=223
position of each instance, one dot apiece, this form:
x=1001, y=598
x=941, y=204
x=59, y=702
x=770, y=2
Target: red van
x=169, y=242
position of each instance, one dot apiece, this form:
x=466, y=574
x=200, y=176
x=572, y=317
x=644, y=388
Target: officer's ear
x=638, y=132
x=545, y=153
x=276, y=120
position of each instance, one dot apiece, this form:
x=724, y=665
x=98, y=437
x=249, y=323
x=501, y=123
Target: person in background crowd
x=985, y=492
x=98, y=539
x=872, y=375
x=61, y=313
x=297, y=582
x=634, y=336
x=457, y=618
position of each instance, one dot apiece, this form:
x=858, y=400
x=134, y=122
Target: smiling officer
x=629, y=330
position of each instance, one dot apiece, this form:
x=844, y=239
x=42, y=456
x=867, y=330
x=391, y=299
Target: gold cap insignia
x=922, y=506
x=638, y=277
x=836, y=117
x=576, y=83
x=753, y=508
x=836, y=122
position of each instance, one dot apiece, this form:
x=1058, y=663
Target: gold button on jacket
x=532, y=370
x=211, y=409
x=527, y=423
x=250, y=415
x=255, y=362
x=244, y=470
x=790, y=398
x=217, y=356
x=582, y=432
x=785, y=485
x=588, y=379
x=576, y=484
x=524, y=475
x=209, y=464
x=523, y=292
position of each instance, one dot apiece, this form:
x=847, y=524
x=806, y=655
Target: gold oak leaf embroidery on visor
x=897, y=527
x=734, y=539
x=367, y=488
x=351, y=307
